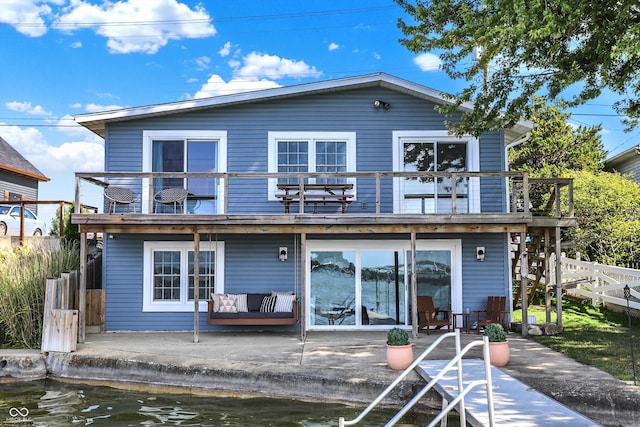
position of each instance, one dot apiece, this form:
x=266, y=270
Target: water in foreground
x=51, y=403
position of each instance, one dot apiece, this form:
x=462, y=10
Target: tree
x=607, y=209
x=555, y=147
x=529, y=47
x=70, y=231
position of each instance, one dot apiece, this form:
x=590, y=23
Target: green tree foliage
x=554, y=146
x=70, y=231
x=607, y=209
x=529, y=47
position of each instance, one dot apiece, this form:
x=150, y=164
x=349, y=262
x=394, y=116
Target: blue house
x=349, y=194
x=627, y=162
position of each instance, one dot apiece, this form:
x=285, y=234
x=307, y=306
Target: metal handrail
x=454, y=364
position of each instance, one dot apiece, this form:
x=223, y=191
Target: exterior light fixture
x=379, y=103
x=282, y=253
x=480, y=253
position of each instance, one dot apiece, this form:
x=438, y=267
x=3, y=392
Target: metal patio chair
x=120, y=196
x=170, y=196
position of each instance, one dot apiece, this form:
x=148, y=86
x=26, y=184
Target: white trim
x=148, y=305
x=148, y=136
x=358, y=246
x=473, y=162
x=275, y=136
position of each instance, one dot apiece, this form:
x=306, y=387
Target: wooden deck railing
x=459, y=191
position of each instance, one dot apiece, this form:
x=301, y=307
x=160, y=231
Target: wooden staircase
x=540, y=246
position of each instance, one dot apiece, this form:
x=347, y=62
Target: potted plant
x=498, y=344
x=399, y=349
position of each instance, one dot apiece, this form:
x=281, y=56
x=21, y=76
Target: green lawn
x=594, y=336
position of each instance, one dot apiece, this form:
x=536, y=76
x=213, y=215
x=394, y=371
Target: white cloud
x=26, y=16
x=257, y=65
x=428, y=62
x=334, y=46
x=96, y=108
x=26, y=107
x=203, y=62
x=76, y=45
x=257, y=71
x=70, y=156
x=225, y=50
x=376, y=55
x=137, y=25
x=216, y=86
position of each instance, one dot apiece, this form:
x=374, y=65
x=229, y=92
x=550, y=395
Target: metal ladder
x=454, y=364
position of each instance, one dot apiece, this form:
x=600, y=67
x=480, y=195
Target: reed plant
x=23, y=274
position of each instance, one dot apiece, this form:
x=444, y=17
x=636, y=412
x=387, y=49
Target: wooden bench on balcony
x=315, y=194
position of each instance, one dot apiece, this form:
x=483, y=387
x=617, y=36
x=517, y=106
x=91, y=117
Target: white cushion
x=228, y=304
x=216, y=302
x=241, y=301
x=284, y=303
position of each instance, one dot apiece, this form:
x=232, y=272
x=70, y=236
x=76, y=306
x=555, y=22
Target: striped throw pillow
x=284, y=303
x=268, y=304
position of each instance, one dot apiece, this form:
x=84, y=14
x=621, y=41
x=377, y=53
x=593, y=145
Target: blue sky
x=61, y=58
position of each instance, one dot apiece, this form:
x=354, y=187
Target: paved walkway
x=332, y=366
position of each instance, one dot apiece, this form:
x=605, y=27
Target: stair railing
x=454, y=364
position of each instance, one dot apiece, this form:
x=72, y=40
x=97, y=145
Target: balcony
x=309, y=202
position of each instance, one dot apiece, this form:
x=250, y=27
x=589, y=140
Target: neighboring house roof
x=627, y=162
x=96, y=122
x=12, y=161
x=630, y=155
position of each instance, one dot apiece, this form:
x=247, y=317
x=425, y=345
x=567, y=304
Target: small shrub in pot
x=397, y=336
x=495, y=332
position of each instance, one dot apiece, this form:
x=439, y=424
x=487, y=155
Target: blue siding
x=247, y=128
x=251, y=263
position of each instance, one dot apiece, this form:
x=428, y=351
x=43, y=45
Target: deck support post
x=303, y=286
x=558, y=277
x=82, y=298
x=524, y=282
x=196, y=280
x=414, y=287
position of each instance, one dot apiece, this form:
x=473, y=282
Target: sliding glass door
x=366, y=284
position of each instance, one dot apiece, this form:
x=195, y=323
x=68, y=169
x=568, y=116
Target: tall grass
x=23, y=274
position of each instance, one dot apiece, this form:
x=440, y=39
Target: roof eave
x=96, y=122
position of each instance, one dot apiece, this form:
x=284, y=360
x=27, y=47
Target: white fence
x=601, y=283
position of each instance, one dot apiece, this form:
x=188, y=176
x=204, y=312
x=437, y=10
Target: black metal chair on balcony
x=120, y=196
x=170, y=196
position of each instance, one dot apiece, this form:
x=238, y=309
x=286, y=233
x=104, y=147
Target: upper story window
x=188, y=151
x=302, y=152
x=434, y=151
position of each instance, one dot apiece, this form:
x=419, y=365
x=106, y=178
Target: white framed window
x=186, y=151
x=435, y=151
x=301, y=152
x=169, y=275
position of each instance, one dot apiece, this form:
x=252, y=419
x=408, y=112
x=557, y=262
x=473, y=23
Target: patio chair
x=170, y=196
x=429, y=316
x=494, y=313
x=120, y=196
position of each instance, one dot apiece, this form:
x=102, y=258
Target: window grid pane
x=293, y=156
x=206, y=275
x=331, y=157
x=166, y=275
